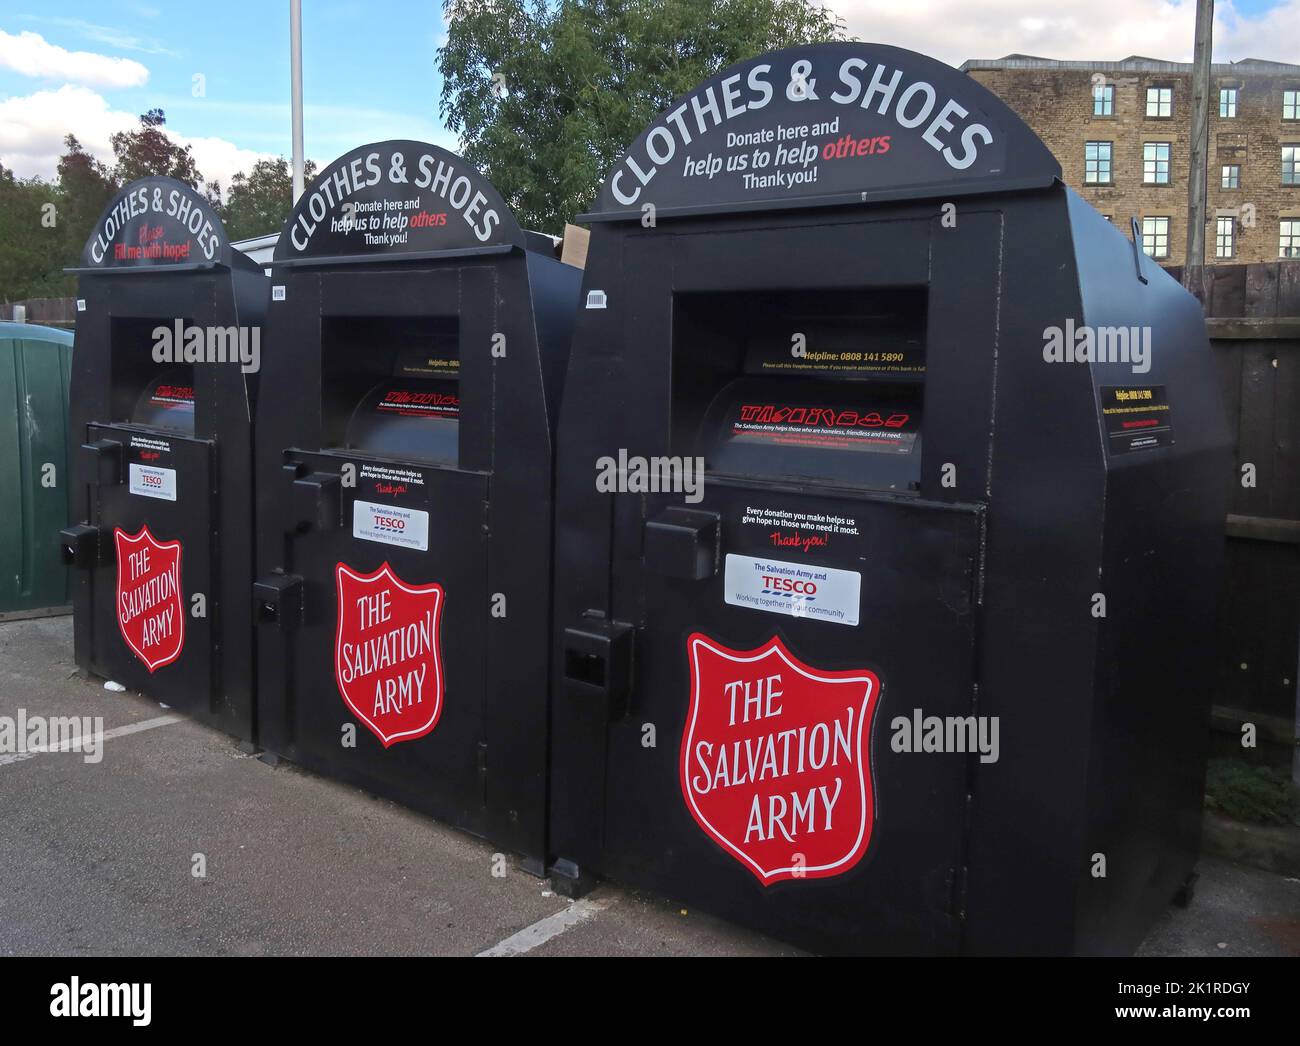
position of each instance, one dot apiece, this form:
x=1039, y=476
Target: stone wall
x=1057, y=102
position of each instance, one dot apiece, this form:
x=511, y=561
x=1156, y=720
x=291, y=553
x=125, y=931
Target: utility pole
x=1196, y=176
x=295, y=74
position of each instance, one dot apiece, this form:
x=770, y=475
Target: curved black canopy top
x=393, y=198
x=826, y=124
x=159, y=222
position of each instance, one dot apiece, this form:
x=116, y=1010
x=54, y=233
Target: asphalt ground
x=100, y=858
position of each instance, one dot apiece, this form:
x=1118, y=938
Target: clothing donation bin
x=924, y=664
x=405, y=490
x=163, y=379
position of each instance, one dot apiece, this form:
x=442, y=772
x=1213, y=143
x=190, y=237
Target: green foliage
x=85, y=186
x=32, y=252
x=148, y=151
x=36, y=245
x=1249, y=792
x=259, y=202
x=578, y=80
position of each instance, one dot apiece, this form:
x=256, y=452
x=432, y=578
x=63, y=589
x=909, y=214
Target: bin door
x=386, y=671
x=154, y=605
x=752, y=771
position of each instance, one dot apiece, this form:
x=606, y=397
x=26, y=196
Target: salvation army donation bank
x=927, y=666
x=164, y=378
x=404, y=489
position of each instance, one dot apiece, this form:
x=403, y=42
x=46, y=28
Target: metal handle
x=1137, y=248
x=278, y=600
x=598, y=662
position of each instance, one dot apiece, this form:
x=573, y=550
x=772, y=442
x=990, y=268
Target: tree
x=31, y=261
x=259, y=202
x=546, y=96
x=85, y=187
x=148, y=151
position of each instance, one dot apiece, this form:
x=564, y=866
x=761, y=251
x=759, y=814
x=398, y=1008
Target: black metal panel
x=437, y=772
x=157, y=223
x=618, y=807
x=1162, y=572
x=203, y=492
x=460, y=528
x=189, y=680
x=1091, y=709
x=396, y=199
x=825, y=124
x=917, y=563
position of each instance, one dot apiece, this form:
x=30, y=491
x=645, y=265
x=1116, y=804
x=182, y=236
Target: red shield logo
x=388, y=652
x=773, y=764
x=150, y=607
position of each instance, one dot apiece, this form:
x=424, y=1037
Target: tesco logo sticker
x=148, y=481
x=391, y=525
x=794, y=589
x=788, y=584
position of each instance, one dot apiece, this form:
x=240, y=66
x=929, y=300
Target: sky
x=220, y=70
x=90, y=68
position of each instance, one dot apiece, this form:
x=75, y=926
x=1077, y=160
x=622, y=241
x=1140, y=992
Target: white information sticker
x=151, y=482
x=794, y=589
x=407, y=527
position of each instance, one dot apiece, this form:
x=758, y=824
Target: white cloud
x=1080, y=30
x=32, y=129
x=219, y=160
x=122, y=39
x=32, y=55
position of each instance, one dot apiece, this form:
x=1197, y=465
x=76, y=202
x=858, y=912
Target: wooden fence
x=1253, y=312
x=53, y=312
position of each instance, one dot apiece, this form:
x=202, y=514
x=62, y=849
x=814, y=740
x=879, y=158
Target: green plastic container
x=35, y=480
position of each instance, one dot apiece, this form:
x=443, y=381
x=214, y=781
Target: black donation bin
x=404, y=489
x=924, y=665
x=168, y=347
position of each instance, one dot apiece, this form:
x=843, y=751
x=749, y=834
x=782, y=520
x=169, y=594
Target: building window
x=1160, y=101
x=1155, y=237
x=1155, y=163
x=1291, y=104
x=1227, y=103
x=1289, y=245
x=1232, y=176
x=1096, y=163
x=1225, y=237
x=1103, y=100
x=1291, y=164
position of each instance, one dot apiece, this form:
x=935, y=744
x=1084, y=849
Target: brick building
x=1121, y=132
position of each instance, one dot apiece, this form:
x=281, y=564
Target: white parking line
x=78, y=743
x=543, y=930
